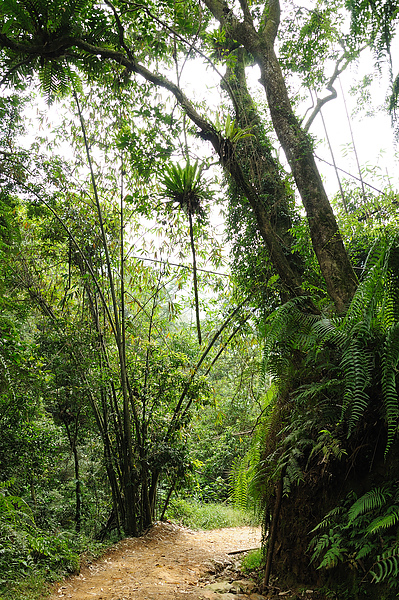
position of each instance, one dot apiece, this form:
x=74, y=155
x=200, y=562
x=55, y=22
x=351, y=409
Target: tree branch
x=121, y=30
x=346, y=58
x=270, y=21
x=246, y=11
x=330, y=87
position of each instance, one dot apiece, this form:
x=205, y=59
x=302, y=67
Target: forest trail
x=166, y=564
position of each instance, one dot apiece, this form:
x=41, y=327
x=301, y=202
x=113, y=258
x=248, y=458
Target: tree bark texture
x=334, y=262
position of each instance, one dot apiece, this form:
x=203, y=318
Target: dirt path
x=165, y=564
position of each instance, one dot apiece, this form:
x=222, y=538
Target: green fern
x=386, y=565
x=386, y=521
x=320, y=545
x=374, y=499
x=355, y=531
x=317, y=389
x=365, y=550
x=333, y=556
x=242, y=474
x=239, y=483
x=14, y=509
x=329, y=545
x=357, y=366
x=287, y=328
x=328, y=446
x=327, y=331
x=390, y=360
x=369, y=290
x=37, y=23
x=329, y=519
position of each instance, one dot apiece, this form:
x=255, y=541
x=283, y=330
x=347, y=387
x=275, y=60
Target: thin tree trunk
x=127, y=445
x=168, y=497
x=197, y=314
x=72, y=437
x=273, y=532
x=78, y=491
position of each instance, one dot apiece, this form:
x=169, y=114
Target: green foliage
x=377, y=22
x=311, y=34
x=33, y=586
x=361, y=533
x=363, y=346
x=40, y=22
x=253, y=561
x=184, y=186
x=208, y=516
x=102, y=332
x=230, y=130
x=386, y=566
x=243, y=470
x=25, y=549
x=239, y=481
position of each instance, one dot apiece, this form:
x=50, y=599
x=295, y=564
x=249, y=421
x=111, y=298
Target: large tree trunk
x=254, y=152
x=334, y=263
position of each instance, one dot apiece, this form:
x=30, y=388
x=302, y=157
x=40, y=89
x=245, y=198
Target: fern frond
x=242, y=475
x=287, y=327
x=329, y=519
x=365, y=550
x=239, y=484
x=54, y=78
x=328, y=331
x=374, y=499
x=386, y=521
x=328, y=446
x=335, y=554
x=390, y=360
x=369, y=290
x=293, y=475
x=386, y=565
x=316, y=389
x=357, y=366
x=319, y=545
x=15, y=510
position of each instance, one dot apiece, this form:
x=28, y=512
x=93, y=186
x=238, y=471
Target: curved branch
x=330, y=87
x=347, y=58
x=121, y=30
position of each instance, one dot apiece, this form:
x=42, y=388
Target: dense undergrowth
x=31, y=559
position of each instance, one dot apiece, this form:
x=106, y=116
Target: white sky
x=372, y=135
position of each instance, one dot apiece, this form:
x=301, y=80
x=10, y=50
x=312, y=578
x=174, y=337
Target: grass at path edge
x=209, y=516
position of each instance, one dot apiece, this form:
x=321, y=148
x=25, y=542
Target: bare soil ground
x=166, y=564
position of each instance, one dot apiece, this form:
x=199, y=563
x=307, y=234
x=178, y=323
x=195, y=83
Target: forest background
x=268, y=375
